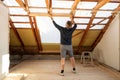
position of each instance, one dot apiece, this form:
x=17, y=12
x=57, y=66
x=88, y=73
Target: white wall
x=107, y=51
x=4, y=41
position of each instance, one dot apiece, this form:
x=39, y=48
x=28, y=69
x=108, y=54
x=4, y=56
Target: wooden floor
x=49, y=70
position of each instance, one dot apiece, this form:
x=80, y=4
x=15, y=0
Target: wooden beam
x=100, y=4
x=105, y=28
x=20, y=2
x=16, y=33
x=73, y=9
x=38, y=35
x=102, y=32
x=53, y=14
x=49, y=6
x=117, y=10
x=99, y=23
x=91, y=24
x=112, y=1
x=33, y=29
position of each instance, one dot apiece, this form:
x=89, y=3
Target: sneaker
x=62, y=73
x=74, y=70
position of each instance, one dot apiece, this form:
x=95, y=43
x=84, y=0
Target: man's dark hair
x=69, y=23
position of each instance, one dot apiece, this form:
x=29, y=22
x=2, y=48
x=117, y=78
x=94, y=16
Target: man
x=66, y=43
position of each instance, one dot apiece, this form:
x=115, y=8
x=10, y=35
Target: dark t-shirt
x=65, y=33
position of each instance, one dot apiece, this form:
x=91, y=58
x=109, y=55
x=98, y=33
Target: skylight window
x=48, y=32
x=38, y=10
x=18, y=25
x=97, y=20
x=86, y=5
x=17, y=11
x=83, y=13
x=19, y=19
x=39, y=3
x=81, y=20
x=105, y=21
x=111, y=6
x=103, y=13
x=60, y=11
x=81, y=26
x=65, y=4
x=98, y=27
x=11, y=3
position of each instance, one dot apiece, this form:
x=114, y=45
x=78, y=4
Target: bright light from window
x=26, y=25
x=83, y=13
x=48, y=32
x=81, y=20
x=98, y=27
x=86, y=5
x=5, y=63
x=65, y=4
x=111, y=6
x=81, y=26
x=60, y=11
x=39, y=3
x=17, y=11
x=103, y=13
x=11, y=3
x=19, y=19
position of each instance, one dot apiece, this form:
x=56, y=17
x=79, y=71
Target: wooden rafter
x=37, y=35
x=73, y=9
x=117, y=10
x=100, y=4
x=105, y=28
x=112, y=1
x=34, y=27
x=99, y=23
x=49, y=6
x=20, y=2
x=16, y=33
x=102, y=32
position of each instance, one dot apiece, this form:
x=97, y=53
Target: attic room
x=30, y=43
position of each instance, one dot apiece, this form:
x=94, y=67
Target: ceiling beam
x=20, y=2
x=102, y=32
x=16, y=33
x=49, y=6
x=94, y=11
x=117, y=10
x=105, y=28
x=37, y=35
x=112, y=1
x=53, y=14
x=73, y=9
x=99, y=22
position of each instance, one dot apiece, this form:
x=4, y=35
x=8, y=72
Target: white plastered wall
x=4, y=41
x=107, y=51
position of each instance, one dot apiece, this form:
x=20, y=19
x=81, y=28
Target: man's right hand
x=51, y=16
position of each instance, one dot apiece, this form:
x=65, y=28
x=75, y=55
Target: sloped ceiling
x=93, y=17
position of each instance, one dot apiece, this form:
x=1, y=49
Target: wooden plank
x=53, y=14
x=73, y=9
x=100, y=4
x=38, y=35
x=16, y=33
x=33, y=29
x=105, y=28
x=102, y=32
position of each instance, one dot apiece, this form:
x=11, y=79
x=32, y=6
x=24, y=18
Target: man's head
x=69, y=24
